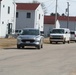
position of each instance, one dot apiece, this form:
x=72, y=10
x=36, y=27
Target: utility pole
x=68, y=14
x=56, y=13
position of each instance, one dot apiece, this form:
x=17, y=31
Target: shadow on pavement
x=14, y=48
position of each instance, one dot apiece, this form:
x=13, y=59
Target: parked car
x=17, y=33
x=73, y=36
x=60, y=35
x=30, y=37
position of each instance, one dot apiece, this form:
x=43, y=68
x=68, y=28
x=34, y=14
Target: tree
x=63, y=14
x=35, y=1
x=42, y=4
x=44, y=8
x=53, y=14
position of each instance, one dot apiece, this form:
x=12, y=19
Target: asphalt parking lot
x=53, y=59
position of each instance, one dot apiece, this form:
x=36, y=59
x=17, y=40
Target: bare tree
x=42, y=4
x=44, y=8
x=63, y=14
x=53, y=14
x=35, y=1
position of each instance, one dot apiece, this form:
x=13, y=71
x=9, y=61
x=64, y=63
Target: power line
x=50, y=4
x=56, y=12
x=72, y=0
x=47, y=1
x=52, y=9
x=60, y=9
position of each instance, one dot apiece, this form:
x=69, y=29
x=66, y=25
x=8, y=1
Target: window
x=2, y=22
x=28, y=15
x=30, y=32
x=17, y=14
x=72, y=32
x=39, y=16
x=3, y=6
x=57, y=31
x=8, y=10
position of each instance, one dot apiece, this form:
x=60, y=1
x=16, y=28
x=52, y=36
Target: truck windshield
x=30, y=32
x=60, y=31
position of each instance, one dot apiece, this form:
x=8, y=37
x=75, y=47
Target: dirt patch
x=46, y=40
x=73, y=73
x=7, y=42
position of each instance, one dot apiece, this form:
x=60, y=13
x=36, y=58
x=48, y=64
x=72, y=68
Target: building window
x=8, y=10
x=2, y=22
x=3, y=6
x=28, y=15
x=17, y=14
x=39, y=16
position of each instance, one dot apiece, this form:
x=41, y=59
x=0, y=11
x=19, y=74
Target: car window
x=57, y=31
x=30, y=32
x=72, y=32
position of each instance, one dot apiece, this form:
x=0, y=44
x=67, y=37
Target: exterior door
x=9, y=28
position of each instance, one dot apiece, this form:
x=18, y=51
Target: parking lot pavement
x=53, y=59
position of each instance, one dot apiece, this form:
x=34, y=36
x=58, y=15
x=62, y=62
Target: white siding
x=39, y=22
x=71, y=25
x=7, y=18
x=22, y=21
x=33, y=22
x=0, y=12
x=47, y=29
x=0, y=18
x=57, y=24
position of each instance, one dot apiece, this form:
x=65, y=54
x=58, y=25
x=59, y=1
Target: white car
x=60, y=35
x=30, y=37
x=73, y=36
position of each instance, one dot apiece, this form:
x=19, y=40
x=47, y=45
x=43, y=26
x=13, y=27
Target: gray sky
x=62, y=5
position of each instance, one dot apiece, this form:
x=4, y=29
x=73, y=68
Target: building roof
x=27, y=6
x=51, y=19
x=65, y=18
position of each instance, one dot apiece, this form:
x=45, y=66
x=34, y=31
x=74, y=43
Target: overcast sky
x=62, y=5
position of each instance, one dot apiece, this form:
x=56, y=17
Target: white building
x=7, y=17
x=49, y=24
x=62, y=22
x=29, y=15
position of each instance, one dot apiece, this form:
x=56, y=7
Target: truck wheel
x=50, y=42
x=39, y=46
x=42, y=46
x=68, y=41
x=18, y=47
x=22, y=47
x=63, y=42
x=56, y=42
